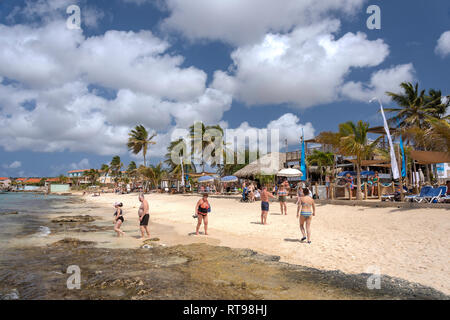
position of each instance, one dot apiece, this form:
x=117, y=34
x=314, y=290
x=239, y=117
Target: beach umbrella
x=205, y=179
x=289, y=172
x=229, y=179
x=344, y=173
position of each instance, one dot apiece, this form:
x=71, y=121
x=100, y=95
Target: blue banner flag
x=303, y=159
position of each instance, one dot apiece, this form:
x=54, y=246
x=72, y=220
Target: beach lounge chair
x=438, y=193
x=420, y=197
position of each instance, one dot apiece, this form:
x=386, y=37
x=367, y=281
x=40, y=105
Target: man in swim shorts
x=265, y=195
x=144, y=217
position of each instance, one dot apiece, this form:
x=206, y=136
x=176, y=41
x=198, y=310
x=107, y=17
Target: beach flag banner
x=394, y=165
x=403, y=155
x=302, y=160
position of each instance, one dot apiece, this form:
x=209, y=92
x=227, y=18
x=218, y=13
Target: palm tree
x=105, y=169
x=354, y=142
x=177, y=149
x=154, y=174
x=321, y=159
x=351, y=140
x=132, y=171
x=198, y=132
x=92, y=175
x=115, y=167
x=139, y=141
x=416, y=113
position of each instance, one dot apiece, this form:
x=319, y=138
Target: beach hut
x=268, y=164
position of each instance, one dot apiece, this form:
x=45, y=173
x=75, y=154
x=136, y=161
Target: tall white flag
x=394, y=165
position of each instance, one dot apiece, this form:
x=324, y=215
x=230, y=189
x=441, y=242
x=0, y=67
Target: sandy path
x=411, y=244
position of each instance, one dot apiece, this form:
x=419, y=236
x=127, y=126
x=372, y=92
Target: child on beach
x=265, y=195
x=201, y=211
x=118, y=219
x=307, y=211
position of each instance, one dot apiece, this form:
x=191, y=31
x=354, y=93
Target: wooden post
x=332, y=190
x=350, y=192
x=317, y=190
x=379, y=189
x=365, y=191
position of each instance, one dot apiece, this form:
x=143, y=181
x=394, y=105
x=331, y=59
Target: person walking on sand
x=282, y=197
x=201, y=212
x=265, y=195
x=118, y=219
x=307, y=211
x=144, y=217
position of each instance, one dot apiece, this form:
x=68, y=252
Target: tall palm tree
x=416, y=112
x=139, y=140
x=115, y=167
x=321, y=159
x=352, y=140
x=105, y=170
x=177, y=148
x=198, y=133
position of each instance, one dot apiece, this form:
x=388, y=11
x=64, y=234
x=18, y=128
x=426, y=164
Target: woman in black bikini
x=118, y=218
x=201, y=211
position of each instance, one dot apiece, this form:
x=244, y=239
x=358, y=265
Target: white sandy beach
x=411, y=244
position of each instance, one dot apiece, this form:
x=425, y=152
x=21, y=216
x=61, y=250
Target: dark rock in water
x=80, y=218
x=8, y=212
x=72, y=243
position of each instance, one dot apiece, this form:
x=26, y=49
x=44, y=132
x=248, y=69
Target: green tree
x=321, y=159
x=105, y=171
x=199, y=134
x=92, y=175
x=115, y=168
x=139, y=140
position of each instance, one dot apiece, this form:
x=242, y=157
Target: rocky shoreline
x=195, y=271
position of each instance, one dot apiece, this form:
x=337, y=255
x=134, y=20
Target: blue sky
x=68, y=97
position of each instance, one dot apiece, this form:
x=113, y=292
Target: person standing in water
x=118, y=219
x=307, y=211
x=265, y=195
x=201, y=211
x=144, y=217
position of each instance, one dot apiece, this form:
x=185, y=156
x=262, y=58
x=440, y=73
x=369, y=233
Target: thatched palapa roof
x=268, y=164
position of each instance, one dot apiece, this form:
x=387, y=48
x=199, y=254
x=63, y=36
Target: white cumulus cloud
x=443, y=44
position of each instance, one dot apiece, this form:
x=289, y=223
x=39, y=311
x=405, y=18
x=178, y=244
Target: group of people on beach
x=144, y=217
x=305, y=210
